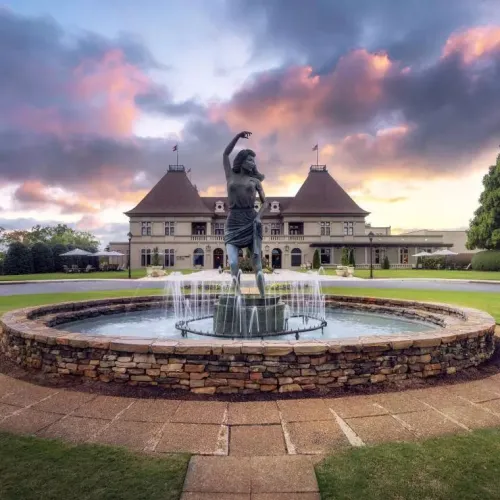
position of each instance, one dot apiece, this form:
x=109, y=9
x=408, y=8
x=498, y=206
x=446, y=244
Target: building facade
x=188, y=229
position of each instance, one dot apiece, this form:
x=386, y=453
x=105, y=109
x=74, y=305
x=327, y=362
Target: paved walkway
x=250, y=450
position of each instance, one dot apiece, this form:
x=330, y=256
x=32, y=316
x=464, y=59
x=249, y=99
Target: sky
x=402, y=98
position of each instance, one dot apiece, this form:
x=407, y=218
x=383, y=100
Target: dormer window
x=257, y=204
x=275, y=206
x=219, y=206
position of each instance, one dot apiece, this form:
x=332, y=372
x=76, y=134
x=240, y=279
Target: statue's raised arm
x=229, y=150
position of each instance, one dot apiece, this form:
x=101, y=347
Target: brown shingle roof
x=321, y=194
x=173, y=194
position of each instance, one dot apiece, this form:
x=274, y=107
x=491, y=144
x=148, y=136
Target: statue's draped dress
x=242, y=230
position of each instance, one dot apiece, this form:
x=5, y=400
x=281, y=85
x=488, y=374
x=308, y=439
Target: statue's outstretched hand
x=245, y=134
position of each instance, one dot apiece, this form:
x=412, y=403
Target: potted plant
x=156, y=270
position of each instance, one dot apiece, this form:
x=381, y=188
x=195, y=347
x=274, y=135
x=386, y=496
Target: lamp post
x=129, y=254
x=370, y=236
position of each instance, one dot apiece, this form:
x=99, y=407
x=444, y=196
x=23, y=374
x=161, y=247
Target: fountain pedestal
x=249, y=316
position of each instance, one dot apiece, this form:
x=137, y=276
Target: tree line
x=39, y=249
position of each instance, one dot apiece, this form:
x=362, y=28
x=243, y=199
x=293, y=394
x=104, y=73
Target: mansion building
x=188, y=229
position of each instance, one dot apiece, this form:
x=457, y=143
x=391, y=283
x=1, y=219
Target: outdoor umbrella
x=77, y=252
x=422, y=254
x=108, y=253
x=443, y=253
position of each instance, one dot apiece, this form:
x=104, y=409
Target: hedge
x=488, y=260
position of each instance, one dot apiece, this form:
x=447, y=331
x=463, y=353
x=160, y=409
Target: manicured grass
x=489, y=302
x=136, y=273
x=425, y=273
x=38, y=469
x=459, y=467
x=10, y=302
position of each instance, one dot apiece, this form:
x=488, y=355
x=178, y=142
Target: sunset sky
x=403, y=98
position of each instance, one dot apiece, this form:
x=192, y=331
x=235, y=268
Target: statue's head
x=245, y=162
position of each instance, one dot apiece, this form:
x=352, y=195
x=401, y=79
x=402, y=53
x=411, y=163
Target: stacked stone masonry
x=463, y=338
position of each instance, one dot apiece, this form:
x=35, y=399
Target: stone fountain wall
x=221, y=366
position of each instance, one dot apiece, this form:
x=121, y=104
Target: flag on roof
x=315, y=148
x=175, y=148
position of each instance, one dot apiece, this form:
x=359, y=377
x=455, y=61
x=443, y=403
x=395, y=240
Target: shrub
x=155, y=261
x=352, y=260
x=433, y=262
x=18, y=259
x=43, y=260
x=345, y=257
x=316, y=260
x=246, y=265
x=385, y=263
x=488, y=260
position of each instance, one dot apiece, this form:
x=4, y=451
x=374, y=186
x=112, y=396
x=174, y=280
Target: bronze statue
x=243, y=224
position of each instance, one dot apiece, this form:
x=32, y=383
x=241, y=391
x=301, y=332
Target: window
x=257, y=205
x=348, y=228
x=199, y=257
x=275, y=206
x=146, y=228
x=296, y=228
x=219, y=228
x=199, y=228
x=325, y=229
x=169, y=257
x=378, y=255
x=219, y=206
x=325, y=255
x=403, y=255
x=275, y=229
x=145, y=257
x=169, y=228
x=296, y=257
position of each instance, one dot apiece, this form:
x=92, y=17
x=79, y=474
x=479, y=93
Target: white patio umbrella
x=443, y=253
x=421, y=254
x=77, y=252
x=105, y=253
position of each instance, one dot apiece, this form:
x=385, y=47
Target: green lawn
x=487, y=301
x=425, y=273
x=39, y=469
x=460, y=467
x=136, y=273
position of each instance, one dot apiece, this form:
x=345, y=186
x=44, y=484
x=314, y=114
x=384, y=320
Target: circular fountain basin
x=371, y=341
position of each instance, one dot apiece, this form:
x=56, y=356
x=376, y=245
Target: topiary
x=345, y=257
x=316, y=260
x=385, y=263
x=352, y=260
x=488, y=260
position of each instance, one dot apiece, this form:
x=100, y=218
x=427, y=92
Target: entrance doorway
x=218, y=258
x=276, y=258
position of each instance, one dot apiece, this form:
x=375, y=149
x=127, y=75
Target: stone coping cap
x=464, y=323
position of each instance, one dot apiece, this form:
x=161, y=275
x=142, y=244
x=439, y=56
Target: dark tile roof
x=173, y=194
x=321, y=194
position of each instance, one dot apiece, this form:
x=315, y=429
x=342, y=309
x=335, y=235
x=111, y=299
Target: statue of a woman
x=243, y=225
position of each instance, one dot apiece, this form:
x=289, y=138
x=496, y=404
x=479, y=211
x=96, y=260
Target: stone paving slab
x=156, y=410
x=74, y=429
x=318, y=437
x=6, y=410
x=134, y=435
x=261, y=440
x=191, y=438
x=215, y=496
x=357, y=406
x=28, y=421
x=64, y=402
x=200, y=412
x=105, y=407
x=27, y=395
x=430, y=423
x=402, y=402
x=251, y=413
x=373, y=430
x=304, y=410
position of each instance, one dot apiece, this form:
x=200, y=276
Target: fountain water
x=216, y=309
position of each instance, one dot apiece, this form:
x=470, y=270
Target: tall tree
x=18, y=259
x=484, y=231
x=43, y=259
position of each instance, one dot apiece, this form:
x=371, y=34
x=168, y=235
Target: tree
x=156, y=257
x=484, y=231
x=344, y=260
x=385, y=263
x=18, y=259
x=352, y=260
x=43, y=259
x=57, y=250
x=316, y=260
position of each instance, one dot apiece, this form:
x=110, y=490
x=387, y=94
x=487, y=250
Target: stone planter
x=341, y=271
x=155, y=271
x=350, y=271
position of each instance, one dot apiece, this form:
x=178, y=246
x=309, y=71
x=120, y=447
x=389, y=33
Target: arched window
x=218, y=258
x=296, y=257
x=199, y=257
x=276, y=258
